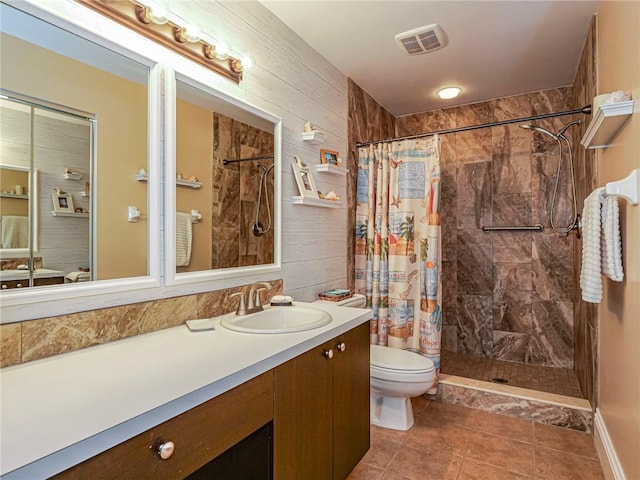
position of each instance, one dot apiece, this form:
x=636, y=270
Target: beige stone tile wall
x=46, y=337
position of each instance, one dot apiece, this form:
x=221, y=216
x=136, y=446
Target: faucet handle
x=242, y=308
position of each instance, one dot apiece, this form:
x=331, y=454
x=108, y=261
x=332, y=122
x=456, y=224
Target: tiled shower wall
x=507, y=295
x=585, y=314
x=235, y=190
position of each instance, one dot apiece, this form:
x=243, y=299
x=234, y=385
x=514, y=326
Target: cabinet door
x=303, y=418
x=351, y=400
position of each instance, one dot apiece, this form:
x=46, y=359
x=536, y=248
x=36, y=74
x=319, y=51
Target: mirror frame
x=171, y=277
x=162, y=280
x=47, y=301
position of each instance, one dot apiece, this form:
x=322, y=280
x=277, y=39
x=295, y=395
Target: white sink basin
x=278, y=320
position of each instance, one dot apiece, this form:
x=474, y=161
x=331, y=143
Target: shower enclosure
x=508, y=306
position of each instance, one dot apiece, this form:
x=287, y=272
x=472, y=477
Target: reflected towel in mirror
x=15, y=231
x=183, y=239
x=78, y=276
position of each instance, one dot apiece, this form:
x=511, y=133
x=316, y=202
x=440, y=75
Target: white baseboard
x=608, y=458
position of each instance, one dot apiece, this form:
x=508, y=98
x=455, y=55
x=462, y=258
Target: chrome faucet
x=253, y=303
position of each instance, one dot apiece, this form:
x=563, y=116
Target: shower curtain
x=397, y=256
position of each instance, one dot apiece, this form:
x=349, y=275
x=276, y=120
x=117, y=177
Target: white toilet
x=396, y=376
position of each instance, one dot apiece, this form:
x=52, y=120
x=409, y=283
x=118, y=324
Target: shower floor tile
x=561, y=381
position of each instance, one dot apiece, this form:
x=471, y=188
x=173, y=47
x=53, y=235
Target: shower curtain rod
x=585, y=110
x=249, y=159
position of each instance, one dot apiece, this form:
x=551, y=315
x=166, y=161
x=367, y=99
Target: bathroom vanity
x=115, y=410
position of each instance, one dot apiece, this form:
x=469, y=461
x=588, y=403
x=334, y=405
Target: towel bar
x=626, y=188
x=522, y=228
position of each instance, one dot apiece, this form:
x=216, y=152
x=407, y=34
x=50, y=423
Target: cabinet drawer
x=199, y=435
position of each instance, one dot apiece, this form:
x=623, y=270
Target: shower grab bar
x=227, y=161
x=521, y=228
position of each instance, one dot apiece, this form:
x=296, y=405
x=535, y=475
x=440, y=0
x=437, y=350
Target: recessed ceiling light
x=448, y=92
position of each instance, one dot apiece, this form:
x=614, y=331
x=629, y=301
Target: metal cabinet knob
x=5, y=287
x=165, y=450
x=19, y=285
x=329, y=353
x=341, y=347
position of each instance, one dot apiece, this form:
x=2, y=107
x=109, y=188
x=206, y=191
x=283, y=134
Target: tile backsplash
x=35, y=339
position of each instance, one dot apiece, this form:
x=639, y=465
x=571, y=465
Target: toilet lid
x=400, y=360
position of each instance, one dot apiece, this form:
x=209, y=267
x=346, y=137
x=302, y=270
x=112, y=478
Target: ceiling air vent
x=422, y=39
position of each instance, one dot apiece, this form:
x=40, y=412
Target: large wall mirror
x=74, y=131
x=227, y=174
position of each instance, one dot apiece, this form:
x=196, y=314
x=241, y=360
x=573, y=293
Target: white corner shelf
x=180, y=183
x=188, y=183
x=13, y=195
x=72, y=176
x=314, y=137
x=70, y=214
x=332, y=169
x=315, y=202
x=606, y=122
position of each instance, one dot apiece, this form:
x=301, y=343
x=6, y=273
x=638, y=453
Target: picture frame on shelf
x=304, y=179
x=330, y=157
x=62, y=202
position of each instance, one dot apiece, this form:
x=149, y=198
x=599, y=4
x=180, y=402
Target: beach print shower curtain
x=398, y=258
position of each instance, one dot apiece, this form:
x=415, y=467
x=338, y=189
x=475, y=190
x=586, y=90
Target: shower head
x=540, y=130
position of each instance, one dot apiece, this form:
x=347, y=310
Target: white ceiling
x=495, y=49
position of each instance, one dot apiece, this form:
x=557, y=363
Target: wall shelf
x=72, y=176
x=332, y=169
x=606, y=122
x=70, y=214
x=314, y=137
x=13, y=195
x=315, y=202
x=179, y=183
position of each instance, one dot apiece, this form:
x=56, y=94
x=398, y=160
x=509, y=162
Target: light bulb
x=448, y=92
x=222, y=50
x=192, y=33
x=246, y=62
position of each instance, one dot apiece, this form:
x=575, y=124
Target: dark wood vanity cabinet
x=321, y=410
x=199, y=435
x=312, y=412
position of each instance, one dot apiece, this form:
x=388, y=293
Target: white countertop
x=7, y=275
x=59, y=411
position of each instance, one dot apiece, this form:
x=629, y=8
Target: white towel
x=15, y=231
x=611, y=243
x=183, y=239
x=78, y=276
x=590, y=279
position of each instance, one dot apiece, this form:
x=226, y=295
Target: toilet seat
x=394, y=360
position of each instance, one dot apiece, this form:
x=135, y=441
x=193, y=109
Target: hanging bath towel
x=590, y=273
x=611, y=243
x=183, y=239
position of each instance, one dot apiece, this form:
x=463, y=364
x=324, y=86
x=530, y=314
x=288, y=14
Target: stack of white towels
x=601, y=245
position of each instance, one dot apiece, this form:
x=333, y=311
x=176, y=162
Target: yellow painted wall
x=121, y=108
x=194, y=156
x=619, y=312
x=8, y=180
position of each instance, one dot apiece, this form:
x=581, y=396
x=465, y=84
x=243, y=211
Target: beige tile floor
x=449, y=442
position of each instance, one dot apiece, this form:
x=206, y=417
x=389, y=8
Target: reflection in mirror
x=87, y=165
x=58, y=146
x=230, y=152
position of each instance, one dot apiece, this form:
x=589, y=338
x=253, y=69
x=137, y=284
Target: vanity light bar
x=159, y=26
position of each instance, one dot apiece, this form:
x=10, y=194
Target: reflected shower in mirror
x=230, y=151
x=88, y=120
